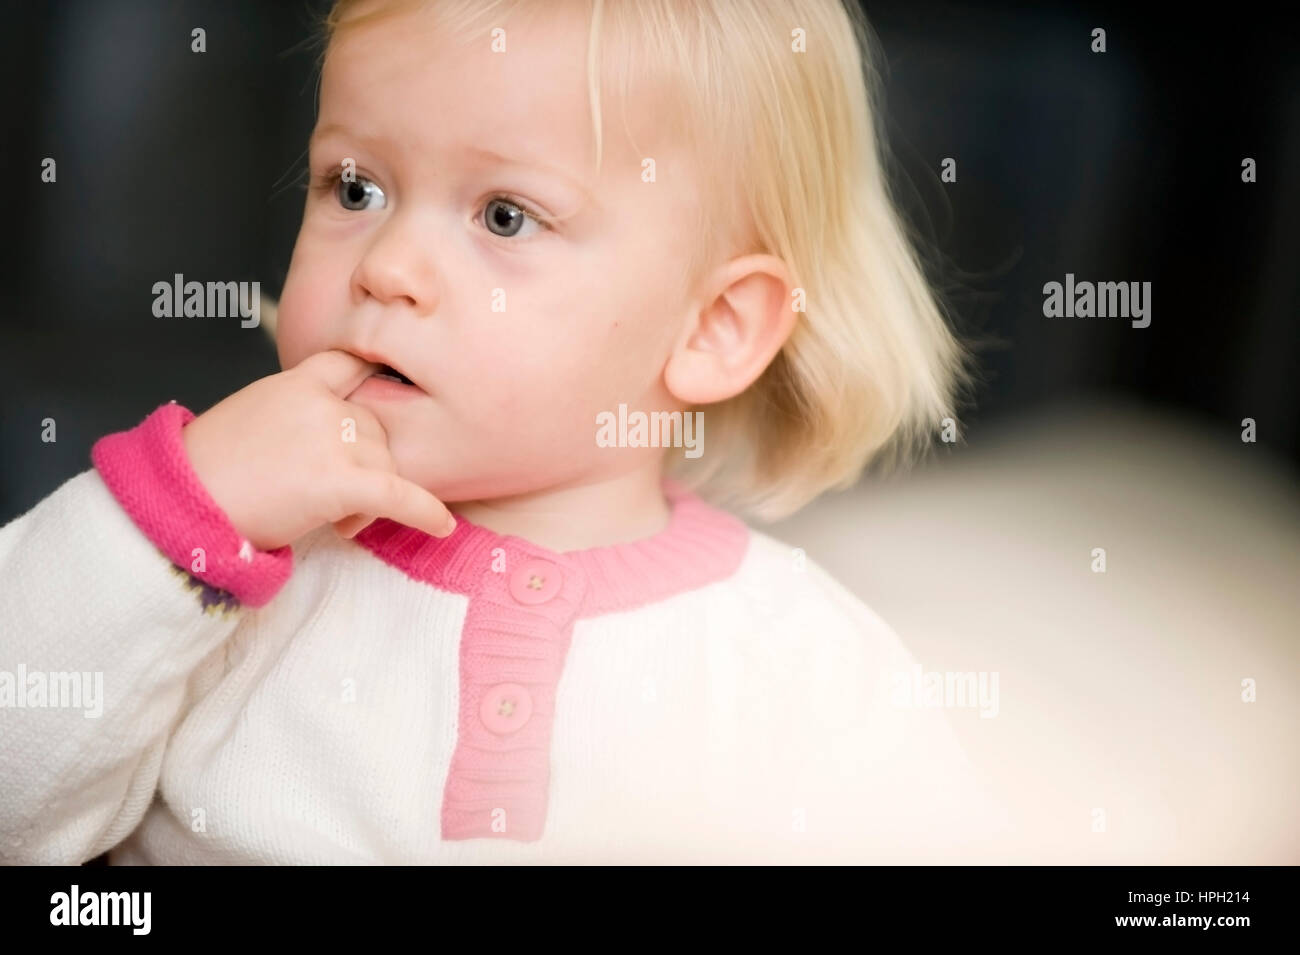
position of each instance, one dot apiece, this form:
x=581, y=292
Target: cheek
x=528, y=385
x=633, y=350
x=301, y=321
x=596, y=363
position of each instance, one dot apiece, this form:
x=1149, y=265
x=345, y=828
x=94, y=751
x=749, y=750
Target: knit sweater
x=706, y=694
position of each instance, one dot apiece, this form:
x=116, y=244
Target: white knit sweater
x=347, y=720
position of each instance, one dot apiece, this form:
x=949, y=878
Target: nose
x=397, y=267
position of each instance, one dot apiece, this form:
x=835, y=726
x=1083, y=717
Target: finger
x=363, y=436
x=371, y=452
x=385, y=494
x=350, y=527
x=340, y=371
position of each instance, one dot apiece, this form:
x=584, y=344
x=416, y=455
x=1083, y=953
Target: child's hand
x=273, y=456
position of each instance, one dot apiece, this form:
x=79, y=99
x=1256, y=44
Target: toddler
x=398, y=603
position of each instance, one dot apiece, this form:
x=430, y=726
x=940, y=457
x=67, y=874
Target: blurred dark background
x=1123, y=166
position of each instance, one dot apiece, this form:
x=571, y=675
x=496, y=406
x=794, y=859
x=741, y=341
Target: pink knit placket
x=516, y=637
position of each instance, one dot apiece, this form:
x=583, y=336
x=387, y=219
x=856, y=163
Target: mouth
x=386, y=382
x=388, y=371
x=384, y=370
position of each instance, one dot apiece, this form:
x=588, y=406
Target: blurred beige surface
x=1119, y=692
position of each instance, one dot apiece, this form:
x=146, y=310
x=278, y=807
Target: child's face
x=518, y=335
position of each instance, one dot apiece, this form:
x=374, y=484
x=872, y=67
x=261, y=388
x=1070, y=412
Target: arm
x=113, y=591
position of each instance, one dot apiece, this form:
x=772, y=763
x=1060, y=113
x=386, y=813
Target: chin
x=458, y=481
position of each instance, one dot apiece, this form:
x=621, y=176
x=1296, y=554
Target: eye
x=505, y=217
x=356, y=196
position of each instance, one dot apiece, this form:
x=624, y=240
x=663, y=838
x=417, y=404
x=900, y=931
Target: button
x=505, y=707
x=535, y=582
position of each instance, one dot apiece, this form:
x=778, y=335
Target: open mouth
x=388, y=371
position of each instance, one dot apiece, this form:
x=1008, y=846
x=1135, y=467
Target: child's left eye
x=504, y=213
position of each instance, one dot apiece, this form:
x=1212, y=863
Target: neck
x=575, y=516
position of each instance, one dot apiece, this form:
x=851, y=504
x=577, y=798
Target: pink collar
x=700, y=545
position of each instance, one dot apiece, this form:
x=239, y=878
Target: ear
x=726, y=344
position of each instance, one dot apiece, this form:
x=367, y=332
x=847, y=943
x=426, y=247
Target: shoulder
x=803, y=649
x=821, y=711
x=786, y=590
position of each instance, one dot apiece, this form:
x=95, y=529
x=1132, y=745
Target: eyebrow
x=478, y=152
x=492, y=156
x=330, y=129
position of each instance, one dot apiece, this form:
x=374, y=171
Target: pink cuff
x=148, y=471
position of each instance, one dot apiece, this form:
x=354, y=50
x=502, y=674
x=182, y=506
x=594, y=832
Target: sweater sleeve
x=114, y=590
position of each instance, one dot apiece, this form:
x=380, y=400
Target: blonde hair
x=871, y=369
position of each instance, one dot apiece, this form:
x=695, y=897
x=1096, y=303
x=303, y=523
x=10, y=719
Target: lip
x=381, y=360
x=386, y=389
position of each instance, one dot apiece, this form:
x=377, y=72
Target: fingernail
x=448, y=527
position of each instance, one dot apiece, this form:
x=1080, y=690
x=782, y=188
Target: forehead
x=405, y=78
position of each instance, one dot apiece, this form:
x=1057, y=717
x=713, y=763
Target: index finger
x=340, y=371
x=386, y=494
